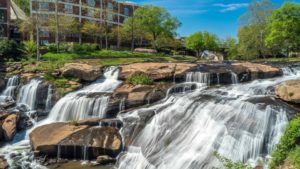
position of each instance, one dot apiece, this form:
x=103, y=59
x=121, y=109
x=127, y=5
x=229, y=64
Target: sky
x=216, y=16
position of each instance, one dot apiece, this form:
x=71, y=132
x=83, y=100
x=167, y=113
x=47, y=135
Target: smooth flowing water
x=11, y=86
x=28, y=93
x=91, y=101
x=199, y=77
x=241, y=122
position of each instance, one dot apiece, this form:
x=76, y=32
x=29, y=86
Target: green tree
x=196, y=43
x=284, y=28
x=156, y=21
x=231, y=46
x=94, y=30
x=253, y=27
x=24, y=5
x=201, y=41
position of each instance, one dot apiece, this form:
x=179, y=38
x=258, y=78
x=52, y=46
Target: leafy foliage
x=29, y=48
x=284, y=28
x=231, y=48
x=8, y=49
x=201, y=41
x=229, y=164
x=140, y=79
x=151, y=22
x=294, y=157
x=288, y=143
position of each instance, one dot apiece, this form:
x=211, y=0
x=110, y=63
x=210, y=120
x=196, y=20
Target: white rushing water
x=11, y=86
x=88, y=102
x=48, y=105
x=234, y=78
x=28, y=93
x=200, y=77
x=241, y=122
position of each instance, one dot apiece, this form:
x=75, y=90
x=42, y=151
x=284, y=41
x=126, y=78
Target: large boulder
x=158, y=71
x=82, y=71
x=129, y=96
x=289, y=91
x=76, y=140
x=9, y=127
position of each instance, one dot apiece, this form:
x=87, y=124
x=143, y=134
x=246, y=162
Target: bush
x=140, y=79
x=9, y=49
x=287, y=144
x=29, y=48
x=294, y=157
x=229, y=164
x=84, y=47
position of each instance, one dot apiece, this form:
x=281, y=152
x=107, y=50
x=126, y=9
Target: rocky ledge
x=82, y=140
x=289, y=91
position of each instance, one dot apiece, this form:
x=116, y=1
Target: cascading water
x=241, y=122
x=11, y=86
x=90, y=101
x=199, y=77
x=234, y=78
x=27, y=94
x=49, y=98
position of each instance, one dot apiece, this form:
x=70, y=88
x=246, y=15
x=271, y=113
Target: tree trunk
x=57, y=27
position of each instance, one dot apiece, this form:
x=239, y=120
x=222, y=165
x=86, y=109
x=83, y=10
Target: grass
x=288, y=143
x=290, y=59
x=294, y=157
x=140, y=80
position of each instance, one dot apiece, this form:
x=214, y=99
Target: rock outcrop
x=9, y=127
x=130, y=96
x=82, y=71
x=289, y=91
x=158, y=71
x=68, y=140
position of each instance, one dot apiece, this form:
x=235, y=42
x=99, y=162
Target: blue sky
x=217, y=16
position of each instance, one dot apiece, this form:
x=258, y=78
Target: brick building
x=111, y=12
x=4, y=18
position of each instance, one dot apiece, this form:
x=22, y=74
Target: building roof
x=16, y=12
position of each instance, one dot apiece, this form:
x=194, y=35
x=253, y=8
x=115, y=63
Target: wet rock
x=2, y=83
x=134, y=96
x=289, y=91
x=9, y=127
x=104, y=160
x=66, y=140
x=56, y=132
x=82, y=71
x=158, y=71
x=3, y=163
x=42, y=95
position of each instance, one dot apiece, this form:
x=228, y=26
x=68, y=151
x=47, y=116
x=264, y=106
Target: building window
x=44, y=32
x=90, y=12
x=126, y=11
x=2, y=16
x=110, y=6
x=110, y=17
x=68, y=8
x=44, y=42
x=44, y=5
x=91, y=3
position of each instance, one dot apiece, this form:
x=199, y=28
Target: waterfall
x=122, y=105
x=241, y=122
x=91, y=101
x=234, y=78
x=199, y=77
x=49, y=98
x=11, y=86
x=27, y=94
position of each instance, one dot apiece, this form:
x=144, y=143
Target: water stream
x=88, y=102
x=241, y=122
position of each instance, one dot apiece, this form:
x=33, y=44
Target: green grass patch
x=288, y=143
x=140, y=79
x=294, y=157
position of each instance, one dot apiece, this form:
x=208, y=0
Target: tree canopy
x=284, y=28
x=155, y=21
x=201, y=41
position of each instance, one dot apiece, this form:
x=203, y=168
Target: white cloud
x=231, y=7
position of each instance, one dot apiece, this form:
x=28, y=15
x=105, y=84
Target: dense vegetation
x=140, y=79
x=289, y=146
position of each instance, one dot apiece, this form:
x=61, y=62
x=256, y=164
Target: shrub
x=9, y=49
x=29, y=48
x=288, y=143
x=140, y=79
x=294, y=157
x=229, y=164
